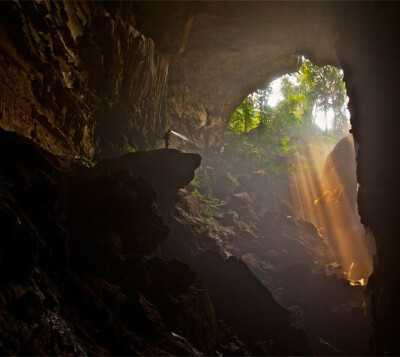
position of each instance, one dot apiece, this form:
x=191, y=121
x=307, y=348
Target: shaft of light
x=351, y=246
x=180, y=135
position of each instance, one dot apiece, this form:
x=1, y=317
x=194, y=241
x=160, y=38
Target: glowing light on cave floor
x=331, y=211
x=360, y=282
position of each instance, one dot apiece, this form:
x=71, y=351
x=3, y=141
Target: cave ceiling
x=95, y=79
x=221, y=51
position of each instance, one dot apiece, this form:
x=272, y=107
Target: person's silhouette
x=167, y=138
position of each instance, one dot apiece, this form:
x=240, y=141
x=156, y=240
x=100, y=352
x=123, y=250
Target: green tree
x=323, y=88
x=244, y=117
x=312, y=88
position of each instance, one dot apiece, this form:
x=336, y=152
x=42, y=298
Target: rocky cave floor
x=138, y=256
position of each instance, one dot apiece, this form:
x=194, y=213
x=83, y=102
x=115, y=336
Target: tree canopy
x=310, y=90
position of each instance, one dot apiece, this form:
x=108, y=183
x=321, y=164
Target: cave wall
x=76, y=277
x=369, y=52
x=86, y=79
x=224, y=50
x=78, y=78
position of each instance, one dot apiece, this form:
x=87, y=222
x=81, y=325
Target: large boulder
x=337, y=308
x=130, y=222
x=225, y=184
x=339, y=201
x=182, y=301
x=243, y=302
x=167, y=170
x=74, y=278
x=243, y=204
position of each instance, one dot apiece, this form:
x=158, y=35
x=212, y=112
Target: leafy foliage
x=207, y=214
x=244, y=118
x=265, y=131
x=202, y=199
x=310, y=89
x=129, y=149
x=196, y=182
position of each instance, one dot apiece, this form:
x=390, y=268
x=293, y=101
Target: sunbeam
x=325, y=194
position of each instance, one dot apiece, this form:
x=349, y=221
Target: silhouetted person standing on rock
x=167, y=138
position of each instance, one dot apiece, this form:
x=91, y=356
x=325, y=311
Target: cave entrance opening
x=295, y=130
x=286, y=183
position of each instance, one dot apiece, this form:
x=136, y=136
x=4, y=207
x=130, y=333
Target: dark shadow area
x=260, y=240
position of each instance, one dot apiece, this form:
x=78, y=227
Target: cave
x=295, y=130
x=104, y=248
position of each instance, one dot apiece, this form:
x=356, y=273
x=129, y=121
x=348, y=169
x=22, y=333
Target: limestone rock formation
x=255, y=42
x=75, y=278
x=244, y=303
x=327, y=309
x=79, y=79
x=351, y=241
x=371, y=81
x=130, y=223
x=249, y=256
x=167, y=170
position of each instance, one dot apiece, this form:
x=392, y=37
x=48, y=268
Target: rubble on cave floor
x=80, y=275
x=233, y=209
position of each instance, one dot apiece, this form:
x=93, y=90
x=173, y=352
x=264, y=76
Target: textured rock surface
x=239, y=297
x=74, y=275
x=213, y=64
x=167, y=170
x=340, y=200
x=244, y=303
x=78, y=78
x=368, y=52
x=130, y=225
x=277, y=250
x=70, y=70
x=220, y=52
x=328, y=309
